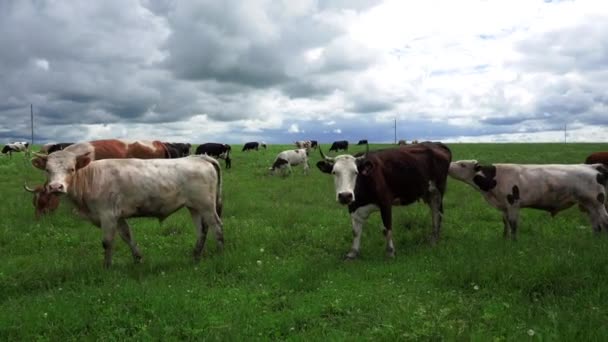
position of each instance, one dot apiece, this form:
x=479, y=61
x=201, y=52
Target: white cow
x=549, y=187
x=17, y=146
x=307, y=144
x=286, y=159
x=109, y=191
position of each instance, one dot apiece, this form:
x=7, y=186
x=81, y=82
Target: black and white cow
x=339, y=145
x=549, y=187
x=50, y=148
x=18, y=146
x=380, y=179
x=286, y=159
x=217, y=150
x=314, y=144
x=303, y=144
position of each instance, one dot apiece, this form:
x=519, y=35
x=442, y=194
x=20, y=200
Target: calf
x=362, y=142
x=216, y=150
x=550, y=187
x=109, y=191
x=289, y=158
x=378, y=180
x=339, y=145
x=43, y=202
x=18, y=146
x=597, y=158
x=252, y=145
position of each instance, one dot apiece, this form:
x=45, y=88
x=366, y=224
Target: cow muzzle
x=56, y=188
x=345, y=197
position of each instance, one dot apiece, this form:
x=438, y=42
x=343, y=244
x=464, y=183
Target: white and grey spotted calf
x=550, y=187
x=286, y=159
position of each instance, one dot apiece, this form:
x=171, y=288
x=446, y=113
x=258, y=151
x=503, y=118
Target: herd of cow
x=109, y=181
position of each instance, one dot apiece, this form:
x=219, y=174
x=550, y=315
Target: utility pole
x=565, y=133
x=395, y=129
x=32, y=123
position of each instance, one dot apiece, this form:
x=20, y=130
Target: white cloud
x=293, y=128
x=42, y=63
x=337, y=131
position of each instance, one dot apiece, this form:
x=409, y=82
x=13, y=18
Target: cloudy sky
x=279, y=71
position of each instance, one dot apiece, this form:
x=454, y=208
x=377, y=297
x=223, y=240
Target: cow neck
x=81, y=184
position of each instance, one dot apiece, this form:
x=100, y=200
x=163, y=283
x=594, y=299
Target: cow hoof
x=390, y=254
x=138, y=259
x=351, y=255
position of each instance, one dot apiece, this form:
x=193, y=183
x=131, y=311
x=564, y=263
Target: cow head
x=464, y=170
x=345, y=170
x=60, y=168
x=44, y=202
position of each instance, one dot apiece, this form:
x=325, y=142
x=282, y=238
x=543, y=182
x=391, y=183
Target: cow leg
x=108, y=229
x=512, y=217
x=358, y=218
x=211, y=218
x=598, y=217
x=125, y=233
x=505, y=221
x=386, y=213
x=201, y=233
x=435, y=202
x=306, y=168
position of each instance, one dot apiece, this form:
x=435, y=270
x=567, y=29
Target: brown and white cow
x=549, y=187
x=597, y=158
x=109, y=191
x=378, y=180
x=46, y=202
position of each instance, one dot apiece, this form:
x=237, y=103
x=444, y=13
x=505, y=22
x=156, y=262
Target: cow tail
x=218, y=192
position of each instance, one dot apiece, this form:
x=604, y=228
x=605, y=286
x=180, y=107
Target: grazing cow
x=18, y=146
x=549, y=187
x=50, y=148
x=597, y=158
x=339, y=145
x=289, y=158
x=314, y=144
x=378, y=180
x=307, y=144
x=263, y=145
x=109, y=191
x=99, y=149
x=252, y=145
x=362, y=142
x=177, y=150
x=216, y=150
x=402, y=142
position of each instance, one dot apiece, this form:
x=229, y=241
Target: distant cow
x=314, y=144
x=109, y=191
x=414, y=141
x=378, y=180
x=402, y=142
x=99, y=149
x=177, y=150
x=252, y=145
x=216, y=150
x=286, y=159
x=362, y=142
x=550, y=187
x=304, y=144
x=18, y=146
x=597, y=158
x=339, y=145
x=50, y=148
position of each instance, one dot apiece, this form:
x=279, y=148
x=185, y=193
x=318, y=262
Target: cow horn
x=40, y=155
x=330, y=159
x=28, y=189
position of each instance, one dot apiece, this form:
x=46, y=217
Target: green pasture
x=282, y=277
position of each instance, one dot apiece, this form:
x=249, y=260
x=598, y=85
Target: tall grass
x=281, y=275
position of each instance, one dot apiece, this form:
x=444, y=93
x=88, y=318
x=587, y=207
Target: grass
x=281, y=276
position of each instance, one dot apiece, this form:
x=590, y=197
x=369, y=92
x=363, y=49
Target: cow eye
x=72, y=170
x=333, y=172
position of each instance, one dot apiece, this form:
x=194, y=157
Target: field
x=282, y=276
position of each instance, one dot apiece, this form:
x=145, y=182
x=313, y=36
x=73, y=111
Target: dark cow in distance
x=48, y=149
x=314, y=144
x=597, y=158
x=402, y=142
x=216, y=150
x=45, y=202
x=339, y=145
x=362, y=142
x=377, y=180
x=177, y=150
x=252, y=145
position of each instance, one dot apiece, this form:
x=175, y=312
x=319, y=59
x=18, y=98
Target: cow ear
x=366, y=167
x=39, y=162
x=324, y=166
x=83, y=160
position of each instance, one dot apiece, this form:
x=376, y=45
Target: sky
x=285, y=70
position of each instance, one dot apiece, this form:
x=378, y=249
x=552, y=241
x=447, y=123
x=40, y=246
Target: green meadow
x=282, y=276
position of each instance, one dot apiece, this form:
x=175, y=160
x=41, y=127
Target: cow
x=252, y=145
x=286, y=159
x=177, y=150
x=99, y=149
x=380, y=179
x=402, y=142
x=109, y=191
x=314, y=144
x=307, y=144
x=17, y=146
x=362, y=142
x=339, y=145
x=549, y=187
x=50, y=148
x=264, y=145
x=216, y=150
x=597, y=158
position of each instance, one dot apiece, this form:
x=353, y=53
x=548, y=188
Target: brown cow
x=379, y=179
x=46, y=202
x=597, y=158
